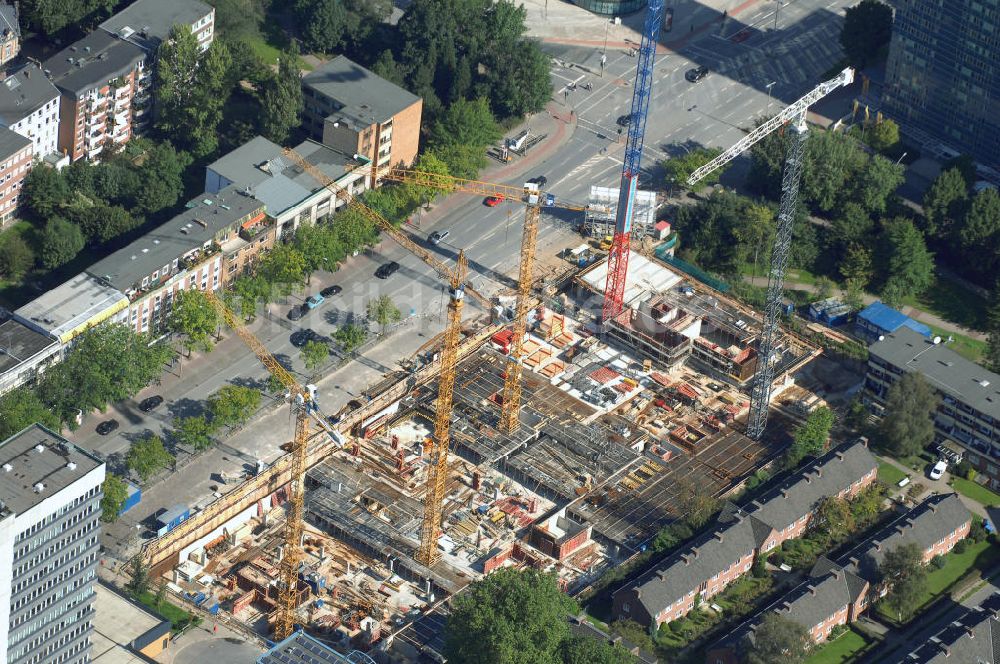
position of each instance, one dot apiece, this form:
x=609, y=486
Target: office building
x=50, y=495
x=969, y=410
x=943, y=74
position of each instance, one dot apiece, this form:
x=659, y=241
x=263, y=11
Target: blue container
x=173, y=517
x=214, y=609
x=133, y=498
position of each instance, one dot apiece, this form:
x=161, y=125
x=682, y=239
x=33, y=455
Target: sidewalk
x=940, y=486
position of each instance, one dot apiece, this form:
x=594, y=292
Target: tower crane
x=302, y=404
x=760, y=394
x=614, y=289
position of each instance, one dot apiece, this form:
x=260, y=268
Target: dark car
x=386, y=270
x=624, y=120
x=437, y=237
x=149, y=403
x=104, y=428
x=296, y=313
x=330, y=291
x=300, y=338
x=696, y=74
x=540, y=180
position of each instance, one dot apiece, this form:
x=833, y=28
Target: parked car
x=296, y=312
x=696, y=74
x=624, y=120
x=386, y=270
x=300, y=338
x=540, y=180
x=493, y=201
x=104, y=428
x=149, y=403
x=331, y=291
x=437, y=238
x=314, y=301
x=938, y=470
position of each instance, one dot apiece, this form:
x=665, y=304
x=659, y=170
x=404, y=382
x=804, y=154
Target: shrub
x=961, y=546
x=938, y=562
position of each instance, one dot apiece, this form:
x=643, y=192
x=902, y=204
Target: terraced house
x=702, y=570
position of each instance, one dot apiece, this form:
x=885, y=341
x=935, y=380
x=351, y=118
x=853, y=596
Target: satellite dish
x=937, y=340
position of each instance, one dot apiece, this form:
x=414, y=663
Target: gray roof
x=155, y=18
x=362, y=95
x=8, y=19
x=943, y=368
x=11, y=142
x=78, y=302
x=274, y=179
x=815, y=600
x=828, y=475
x=928, y=523
x=91, y=62
x=58, y=465
x=23, y=93
x=974, y=638
x=19, y=343
x=300, y=648
x=203, y=218
x=580, y=626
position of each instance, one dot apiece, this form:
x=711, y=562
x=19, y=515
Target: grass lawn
x=976, y=492
x=175, y=614
x=952, y=301
x=889, y=474
x=842, y=649
x=967, y=347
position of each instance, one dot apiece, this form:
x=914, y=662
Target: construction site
x=547, y=438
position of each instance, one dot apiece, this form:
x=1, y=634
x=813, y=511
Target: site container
x=132, y=499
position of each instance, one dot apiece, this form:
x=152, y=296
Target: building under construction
x=599, y=219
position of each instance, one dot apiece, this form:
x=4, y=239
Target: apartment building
x=669, y=591
x=49, y=540
x=147, y=23
x=291, y=195
x=838, y=592
x=215, y=239
x=972, y=637
x=102, y=82
x=969, y=410
x=15, y=162
x=10, y=34
x=350, y=109
x=29, y=105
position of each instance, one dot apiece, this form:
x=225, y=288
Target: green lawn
x=269, y=47
x=975, y=491
x=842, y=649
x=889, y=474
x=952, y=301
x=967, y=347
x=175, y=614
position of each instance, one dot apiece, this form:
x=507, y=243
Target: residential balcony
x=200, y=256
x=253, y=232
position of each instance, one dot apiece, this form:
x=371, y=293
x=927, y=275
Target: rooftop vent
x=39, y=487
x=156, y=241
x=984, y=383
x=7, y=468
x=145, y=250
x=39, y=448
x=71, y=465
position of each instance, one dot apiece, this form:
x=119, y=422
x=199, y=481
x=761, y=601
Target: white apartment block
x=29, y=105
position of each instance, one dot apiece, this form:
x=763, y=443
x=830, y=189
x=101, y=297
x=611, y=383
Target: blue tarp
x=887, y=320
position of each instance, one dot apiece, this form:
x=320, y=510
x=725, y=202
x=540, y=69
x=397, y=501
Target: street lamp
x=777, y=9
x=604, y=53
x=901, y=157
x=769, y=86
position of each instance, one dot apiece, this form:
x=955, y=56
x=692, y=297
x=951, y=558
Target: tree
x=679, y=169
x=910, y=267
x=833, y=161
x=834, y=519
x=944, y=203
x=810, y=438
x=20, y=408
x=233, y=404
x=147, y=456
x=386, y=67
x=587, y=650
x=161, y=178
x=239, y=19
x=315, y=354
x=509, y=617
x=139, y=577
x=866, y=31
x=194, y=316
x=194, y=431
x=45, y=191
x=16, y=257
x=518, y=81
x=902, y=570
x=907, y=425
x=979, y=237
x=883, y=136
x=778, y=639
x=115, y=494
x=281, y=98
x=695, y=502
x=324, y=24
x=965, y=165
x=61, y=241
x=248, y=291
x=284, y=266
x=991, y=356
x=875, y=182
x=466, y=122
x=723, y=232
x=350, y=336
x=867, y=505
x=102, y=223
x=383, y=311
x=856, y=267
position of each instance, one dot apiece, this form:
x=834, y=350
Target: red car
x=493, y=201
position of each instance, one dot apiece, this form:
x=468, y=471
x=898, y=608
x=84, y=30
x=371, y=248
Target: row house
x=292, y=196
x=15, y=162
x=29, y=106
x=355, y=111
x=671, y=589
x=216, y=239
x=147, y=23
x=837, y=593
x=972, y=637
x=969, y=409
x=102, y=81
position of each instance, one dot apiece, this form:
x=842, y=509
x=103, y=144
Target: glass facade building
x=943, y=73
x=611, y=7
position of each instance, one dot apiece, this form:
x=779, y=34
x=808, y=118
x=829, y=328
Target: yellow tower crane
x=302, y=404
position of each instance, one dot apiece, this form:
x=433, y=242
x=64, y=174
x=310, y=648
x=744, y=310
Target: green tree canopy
x=779, y=639
x=281, y=98
x=909, y=266
x=233, y=404
x=833, y=161
x=509, y=617
x=979, y=237
x=194, y=431
x=147, y=456
x=991, y=356
x=811, y=436
x=102, y=223
x=115, y=494
x=315, y=354
x=903, y=571
x=875, y=182
x=723, y=232
x=20, y=408
x=194, y=316
x=16, y=257
x=944, y=203
x=161, y=178
x=834, y=519
x=679, y=169
x=45, y=191
x=51, y=16
x=384, y=311
x=61, y=241
x=284, y=266
x=350, y=336
x=466, y=122
x=883, y=136
x=907, y=425
x=866, y=31
x=138, y=577
x=587, y=650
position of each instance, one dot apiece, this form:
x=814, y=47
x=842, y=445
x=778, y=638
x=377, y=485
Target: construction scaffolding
x=599, y=220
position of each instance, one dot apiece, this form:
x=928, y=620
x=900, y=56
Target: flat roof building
x=50, y=495
x=300, y=648
x=23, y=354
x=147, y=23
x=122, y=628
x=877, y=320
x=68, y=310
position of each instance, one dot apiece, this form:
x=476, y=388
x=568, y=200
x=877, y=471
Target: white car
x=938, y=470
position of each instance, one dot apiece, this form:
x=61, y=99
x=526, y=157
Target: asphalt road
x=682, y=115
